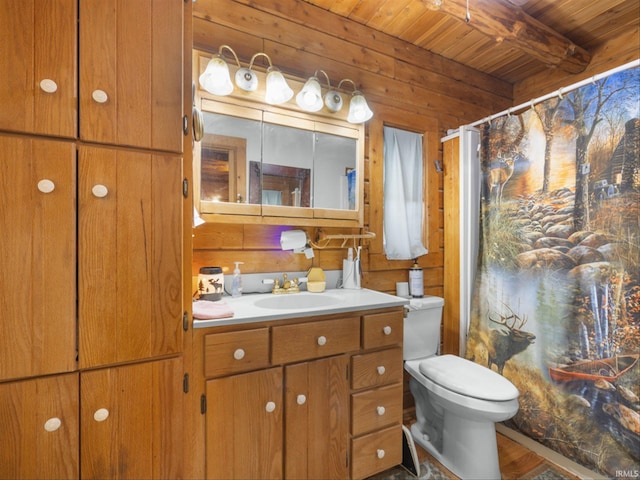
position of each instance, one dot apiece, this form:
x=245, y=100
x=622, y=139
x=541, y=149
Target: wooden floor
x=516, y=462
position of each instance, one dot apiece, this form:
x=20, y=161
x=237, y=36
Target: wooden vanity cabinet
x=297, y=398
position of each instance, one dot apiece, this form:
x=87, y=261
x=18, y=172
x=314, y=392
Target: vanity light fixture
x=278, y=91
x=310, y=97
x=359, y=111
x=216, y=78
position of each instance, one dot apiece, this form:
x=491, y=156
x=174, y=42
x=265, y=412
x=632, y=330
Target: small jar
x=210, y=283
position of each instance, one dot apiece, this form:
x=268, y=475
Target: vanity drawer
x=377, y=368
x=376, y=452
x=292, y=343
x=382, y=329
x=374, y=409
x=233, y=352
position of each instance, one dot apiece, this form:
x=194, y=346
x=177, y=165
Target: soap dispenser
x=236, y=283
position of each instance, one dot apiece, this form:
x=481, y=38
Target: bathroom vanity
x=302, y=392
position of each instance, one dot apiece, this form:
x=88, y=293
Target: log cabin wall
x=405, y=87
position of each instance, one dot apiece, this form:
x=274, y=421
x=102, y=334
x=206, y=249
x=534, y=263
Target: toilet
x=457, y=401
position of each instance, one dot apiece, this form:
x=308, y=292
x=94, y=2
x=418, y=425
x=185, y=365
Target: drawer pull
x=52, y=424
x=322, y=340
x=49, y=86
x=100, y=96
x=270, y=407
x=46, y=186
x=101, y=415
x=381, y=370
x=238, y=354
x=380, y=453
x=381, y=410
x=99, y=191
x=301, y=399
x=387, y=330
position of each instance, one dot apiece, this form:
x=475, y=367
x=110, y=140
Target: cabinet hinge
x=185, y=321
x=185, y=125
x=203, y=404
x=347, y=373
x=185, y=383
x=185, y=188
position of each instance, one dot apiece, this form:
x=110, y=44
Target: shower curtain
x=556, y=307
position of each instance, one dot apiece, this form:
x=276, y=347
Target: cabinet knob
x=381, y=410
x=270, y=407
x=381, y=370
x=46, y=186
x=238, y=354
x=52, y=424
x=301, y=399
x=322, y=340
x=49, y=86
x=101, y=415
x=387, y=330
x=100, y=96
x=99, y=191
x=380, y=453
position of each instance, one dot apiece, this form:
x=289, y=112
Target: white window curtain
x=403, y=205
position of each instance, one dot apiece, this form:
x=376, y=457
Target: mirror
x=254, y=161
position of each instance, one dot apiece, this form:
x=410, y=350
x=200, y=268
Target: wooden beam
x=504, y=21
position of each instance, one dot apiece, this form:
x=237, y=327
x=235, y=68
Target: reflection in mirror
x=334, y=169
x=225, y=155
x=279, y=185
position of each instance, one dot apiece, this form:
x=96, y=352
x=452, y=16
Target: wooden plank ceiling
x=507, y=39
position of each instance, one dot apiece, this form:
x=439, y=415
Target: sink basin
x=296, y=300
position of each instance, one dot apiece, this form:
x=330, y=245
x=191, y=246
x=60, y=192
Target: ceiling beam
x=502, y=20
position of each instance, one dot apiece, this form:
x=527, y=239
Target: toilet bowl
x=457, y=401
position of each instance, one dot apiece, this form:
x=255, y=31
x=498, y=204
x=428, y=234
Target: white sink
x=296, y=301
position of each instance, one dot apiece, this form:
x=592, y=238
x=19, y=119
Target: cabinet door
x=131, y=421
x=244, y=426
x=38, y=51
x=130, y=255
x=131, y=65
x=317, y=419
x=39, y=433
x=37, y=277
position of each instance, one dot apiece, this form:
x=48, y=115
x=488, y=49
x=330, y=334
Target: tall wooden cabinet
x=91, y=258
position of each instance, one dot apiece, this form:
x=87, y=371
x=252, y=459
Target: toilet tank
x=422, y=327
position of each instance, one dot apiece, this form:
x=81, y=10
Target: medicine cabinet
x=276, y=164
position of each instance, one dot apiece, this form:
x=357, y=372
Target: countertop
x=245, y=309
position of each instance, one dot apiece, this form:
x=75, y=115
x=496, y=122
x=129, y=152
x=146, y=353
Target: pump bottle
x=236, y=282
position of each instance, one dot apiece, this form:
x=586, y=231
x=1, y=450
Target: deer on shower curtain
x=556, y=308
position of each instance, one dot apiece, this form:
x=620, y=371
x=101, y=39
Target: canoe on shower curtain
x=609, y=369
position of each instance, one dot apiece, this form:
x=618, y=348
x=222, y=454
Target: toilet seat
x=467, y=378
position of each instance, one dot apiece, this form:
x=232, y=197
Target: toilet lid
x=468, y=378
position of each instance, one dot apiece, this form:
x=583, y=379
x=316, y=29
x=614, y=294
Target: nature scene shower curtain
x=556, y=308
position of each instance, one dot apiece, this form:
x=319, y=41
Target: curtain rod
x=558, y=93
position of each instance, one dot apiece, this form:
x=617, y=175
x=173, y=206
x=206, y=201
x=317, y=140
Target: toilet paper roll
x=402, y=289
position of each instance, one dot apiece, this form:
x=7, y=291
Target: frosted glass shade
x=359, y=111
x=310, y=97
x=278, y=91
x=216, y=78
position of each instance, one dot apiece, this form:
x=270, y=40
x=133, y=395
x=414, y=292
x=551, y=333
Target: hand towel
x=207, y=310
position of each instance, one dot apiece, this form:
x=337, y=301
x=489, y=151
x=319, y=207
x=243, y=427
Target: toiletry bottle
x=236, y=283
x=416, y=280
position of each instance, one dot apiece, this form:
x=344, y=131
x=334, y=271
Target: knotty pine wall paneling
x=405, y=87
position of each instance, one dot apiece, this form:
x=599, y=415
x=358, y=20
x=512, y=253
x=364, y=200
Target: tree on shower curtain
x=557, y=298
